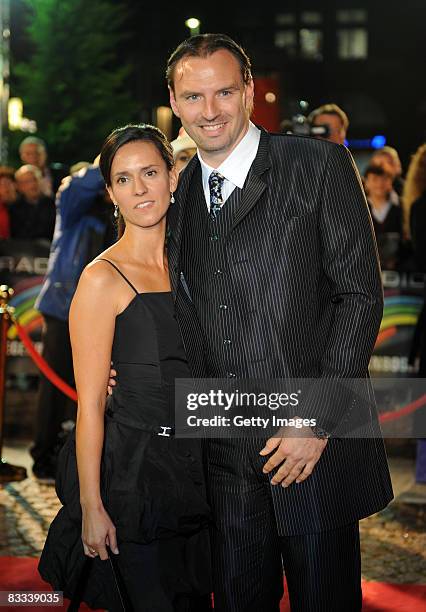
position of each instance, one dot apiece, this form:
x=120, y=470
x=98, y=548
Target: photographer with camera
x=333, y=119
x=328, y=122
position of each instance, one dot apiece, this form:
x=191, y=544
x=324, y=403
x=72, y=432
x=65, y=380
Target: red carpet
x=20, y=573
x=384, y=597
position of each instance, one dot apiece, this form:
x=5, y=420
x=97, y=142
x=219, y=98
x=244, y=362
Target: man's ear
x=173, y=102
x=249, y=95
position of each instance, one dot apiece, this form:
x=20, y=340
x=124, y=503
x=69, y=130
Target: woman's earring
x=116, y=211
x=172, y=198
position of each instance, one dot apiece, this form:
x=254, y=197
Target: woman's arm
x=92, y=321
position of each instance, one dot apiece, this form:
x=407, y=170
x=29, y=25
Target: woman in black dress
x=132, y=532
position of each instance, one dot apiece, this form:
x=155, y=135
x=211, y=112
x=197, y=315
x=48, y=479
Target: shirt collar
x=237, y=165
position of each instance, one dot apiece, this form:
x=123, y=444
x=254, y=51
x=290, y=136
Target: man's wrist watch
x=320, y=433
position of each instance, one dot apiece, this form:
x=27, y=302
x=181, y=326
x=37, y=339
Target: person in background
x=334, y=118
x=388, y=159
x=386, y=216
x=83, y=229
x=32, y=215
x=7, y=197
x=7, y=185
x=414, y=206
x=184, y=149
x=414, y=209
x=32, y=150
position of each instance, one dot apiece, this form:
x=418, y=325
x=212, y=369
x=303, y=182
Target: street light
x=16, y=120
x=15, y=110
x=4, y=75
x=194, y=25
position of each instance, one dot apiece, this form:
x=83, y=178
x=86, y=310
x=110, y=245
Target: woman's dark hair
x=204, y=45
x=132, y=133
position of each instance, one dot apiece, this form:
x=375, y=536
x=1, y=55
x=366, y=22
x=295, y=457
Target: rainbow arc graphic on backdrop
x=26, y=292
x=399, y=311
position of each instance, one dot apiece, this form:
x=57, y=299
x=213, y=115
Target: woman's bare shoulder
x=98, y=275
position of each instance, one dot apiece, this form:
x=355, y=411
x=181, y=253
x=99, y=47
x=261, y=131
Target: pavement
x=393, y=542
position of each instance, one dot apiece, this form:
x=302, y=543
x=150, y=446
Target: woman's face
x=141, y=183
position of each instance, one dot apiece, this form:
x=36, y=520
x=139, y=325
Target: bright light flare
x=193, y=23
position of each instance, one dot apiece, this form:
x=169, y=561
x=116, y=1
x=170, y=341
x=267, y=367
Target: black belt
x=159, y=430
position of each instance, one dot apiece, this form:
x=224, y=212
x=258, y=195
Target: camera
x=300, y=125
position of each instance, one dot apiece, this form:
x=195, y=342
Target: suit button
x=227, y=341
x=214, y=237
x=223, y=307
x=218, y=273
x=231, y=375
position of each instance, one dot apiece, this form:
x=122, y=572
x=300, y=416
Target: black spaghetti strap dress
x=152, y=484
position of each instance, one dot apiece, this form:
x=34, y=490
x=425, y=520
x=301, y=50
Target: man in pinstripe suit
x=274, y=271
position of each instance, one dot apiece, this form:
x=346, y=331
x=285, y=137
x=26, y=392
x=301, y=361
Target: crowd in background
x=27, y=205
x=70, y=209
x=28, y=211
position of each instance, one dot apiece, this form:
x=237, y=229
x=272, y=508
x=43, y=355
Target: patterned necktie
x=216, y=198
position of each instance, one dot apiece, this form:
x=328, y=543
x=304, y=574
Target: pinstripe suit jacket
x=302, y=261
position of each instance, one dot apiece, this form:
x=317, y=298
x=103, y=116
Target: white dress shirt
x=235, y=167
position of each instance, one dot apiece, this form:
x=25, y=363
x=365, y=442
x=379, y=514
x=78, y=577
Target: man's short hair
x=330, y=109
x=204, y=45
x=29, y=168
x=32, y=140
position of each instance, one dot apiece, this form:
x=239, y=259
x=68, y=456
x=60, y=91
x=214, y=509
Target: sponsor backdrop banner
x=23, y=265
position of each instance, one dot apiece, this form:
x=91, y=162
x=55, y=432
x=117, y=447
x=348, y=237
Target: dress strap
x=120, y=272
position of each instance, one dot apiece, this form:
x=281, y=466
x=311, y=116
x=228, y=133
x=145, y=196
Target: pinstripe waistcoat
x=286, y=283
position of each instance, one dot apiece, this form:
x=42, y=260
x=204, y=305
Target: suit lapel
x=175, y=223
x=253, y=189
x=255, y=184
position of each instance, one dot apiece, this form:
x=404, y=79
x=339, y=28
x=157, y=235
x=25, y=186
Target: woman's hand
x=97, y=533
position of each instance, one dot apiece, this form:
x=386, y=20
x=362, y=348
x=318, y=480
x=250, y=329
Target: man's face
x=31, y=154
x=29, y=186
x=212, y=103
x=337, y=132
x=378, y=186
x=7, y=190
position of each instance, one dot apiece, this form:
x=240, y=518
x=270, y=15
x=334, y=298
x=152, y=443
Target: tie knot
x=215, y=180
x=216, y=198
